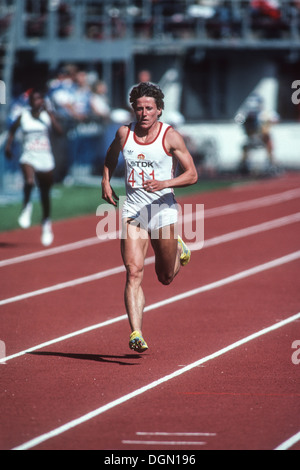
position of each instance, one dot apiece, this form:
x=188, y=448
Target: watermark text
x=2, y=350
x=296, y=94
x=154, y=220
x=296, y=354
x=2, y=92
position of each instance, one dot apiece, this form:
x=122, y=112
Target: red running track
x=222, y=371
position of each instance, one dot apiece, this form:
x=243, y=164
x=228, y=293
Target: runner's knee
x=165, y=278
x=28, y=185
x=29, y=182
x=134, y=273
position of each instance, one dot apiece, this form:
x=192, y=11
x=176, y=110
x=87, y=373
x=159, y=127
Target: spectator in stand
x=65, y=26
x=269, y=8
x=267, y=18
x=62, y=90
x=144, y=76
x=81, y=108
x=71, y=94
x=18, y=104
x=257, y=126
x=99, y=100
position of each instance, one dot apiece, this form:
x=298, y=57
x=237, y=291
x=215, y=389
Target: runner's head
x=147, y=89
x=36, y=99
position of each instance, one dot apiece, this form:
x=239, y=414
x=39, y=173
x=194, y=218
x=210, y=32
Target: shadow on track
x=120, y=360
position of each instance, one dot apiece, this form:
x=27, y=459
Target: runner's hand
x=109, y=195
x=151, y=186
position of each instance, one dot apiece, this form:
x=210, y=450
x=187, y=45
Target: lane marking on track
x=245, y=232
x=103, y=409
x=283, y=221
x=209, y=213
x=187, y=435
x=165, y=443
x=214, y=285
x=177, y=434
x=289, y=442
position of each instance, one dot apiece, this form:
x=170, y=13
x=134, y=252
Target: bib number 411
x=132, y=177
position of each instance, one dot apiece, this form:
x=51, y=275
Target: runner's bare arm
x=176, y=146
x=110, y=164
x=11, y=136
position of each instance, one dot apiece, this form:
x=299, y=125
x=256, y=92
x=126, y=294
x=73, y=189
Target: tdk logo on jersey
x=141, y=163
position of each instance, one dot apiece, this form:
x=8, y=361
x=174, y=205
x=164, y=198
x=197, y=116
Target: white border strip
x=99, y=411
x=209, y=213
x=162, y=303
x=272, y=224
x=289, y=443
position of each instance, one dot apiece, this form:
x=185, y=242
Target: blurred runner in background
x=37, y=161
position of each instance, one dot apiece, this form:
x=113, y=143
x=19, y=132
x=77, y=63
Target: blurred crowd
x=74, y=94
x=77, y=95
x=80, y=102
x=153, y=18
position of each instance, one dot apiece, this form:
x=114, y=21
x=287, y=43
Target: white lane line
x=178, y=434
x=165, y=443
x=209, y=213
x=289, y=442
x=125, y=398
x=214, y=285
x=169, y=435
x=246, y=232
x=255, y=203
x=64, y=285
x=53, y=251
x=294, y=218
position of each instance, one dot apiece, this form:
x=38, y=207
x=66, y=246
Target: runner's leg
x=45, y=181
x=134, y=245
x=28, y=175
x=167, y=253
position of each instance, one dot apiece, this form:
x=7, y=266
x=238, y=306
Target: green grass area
x=74, y=201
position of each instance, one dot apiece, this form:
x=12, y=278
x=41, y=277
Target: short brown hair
x=150, y=90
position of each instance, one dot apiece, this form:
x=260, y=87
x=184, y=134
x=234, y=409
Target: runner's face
x=36, y=101
x=146, y=111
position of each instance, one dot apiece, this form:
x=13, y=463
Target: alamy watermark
x=2, y=350
x=296, y=354
x=2, y=92
x=296, y=94
x=153, y=219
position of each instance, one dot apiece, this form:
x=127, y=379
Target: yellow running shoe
x=137, y=342
x=185, y=257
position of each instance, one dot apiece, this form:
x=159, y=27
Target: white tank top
x=36, y=133
x=144, y=162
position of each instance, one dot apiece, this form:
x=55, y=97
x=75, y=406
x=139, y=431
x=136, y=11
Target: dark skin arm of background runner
x=11, y=135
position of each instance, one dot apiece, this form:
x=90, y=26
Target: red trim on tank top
x=163, y=142
x=129, y=129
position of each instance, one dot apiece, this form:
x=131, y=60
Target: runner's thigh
x=134, y=246
x=165, y=248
